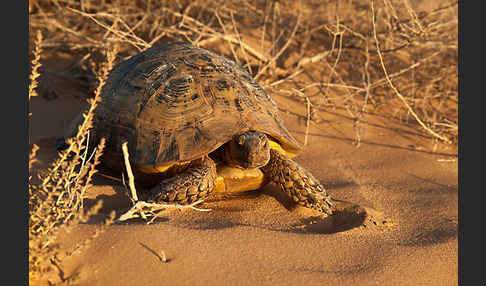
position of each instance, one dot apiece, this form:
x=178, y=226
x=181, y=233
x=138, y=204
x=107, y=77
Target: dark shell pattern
x=175, y=102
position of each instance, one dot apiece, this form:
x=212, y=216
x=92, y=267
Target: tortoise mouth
x=253, y=165
x=245, y=165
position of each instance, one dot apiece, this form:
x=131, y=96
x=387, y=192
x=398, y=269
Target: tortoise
x=197, y=123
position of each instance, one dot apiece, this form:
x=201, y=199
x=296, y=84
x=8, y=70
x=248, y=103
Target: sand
x=397, y=196
x=396, y=225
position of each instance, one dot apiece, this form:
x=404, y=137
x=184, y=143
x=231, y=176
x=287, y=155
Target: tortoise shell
x=174, y=103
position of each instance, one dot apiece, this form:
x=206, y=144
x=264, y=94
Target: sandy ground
x=396, y=225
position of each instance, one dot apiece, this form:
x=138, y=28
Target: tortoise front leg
x=298, y=183
x=196, y=183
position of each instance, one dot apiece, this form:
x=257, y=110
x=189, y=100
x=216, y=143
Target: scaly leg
x=298, y=183
x=196, y=183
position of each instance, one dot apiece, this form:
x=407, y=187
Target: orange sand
x=397, y=223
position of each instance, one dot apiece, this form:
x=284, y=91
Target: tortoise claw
x=328, y=206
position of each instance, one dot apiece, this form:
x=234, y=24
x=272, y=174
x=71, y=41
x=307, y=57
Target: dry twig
x=57, y=202
x=281, y=51
x=145, y=209
x=131, y=180
x=36, y=64
x=161, y=257
x=393, y=86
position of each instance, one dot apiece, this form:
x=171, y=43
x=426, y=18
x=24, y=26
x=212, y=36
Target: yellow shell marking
x=149, y=169
x=230, y=179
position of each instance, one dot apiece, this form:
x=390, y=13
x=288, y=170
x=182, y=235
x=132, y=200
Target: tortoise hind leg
x=196, y=183
x=298, y=183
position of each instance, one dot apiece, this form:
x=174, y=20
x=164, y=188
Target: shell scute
x=175, y=103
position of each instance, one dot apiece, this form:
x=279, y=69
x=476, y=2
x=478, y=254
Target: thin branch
x=214, y=34
x=339, y=34
x=139, y=44
x=289, y=40
x=36, y=64
x=367, y=85
x=138, y=210
x=313, y=59
x=145, y=209
x=131, y=181
x=162, y=257
x=308, y=105
x=393, y=86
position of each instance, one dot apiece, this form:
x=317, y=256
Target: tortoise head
x=249, y=150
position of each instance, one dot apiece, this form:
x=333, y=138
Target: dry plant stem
x=375, y=84
x=88, y=115
x=216, y=14
x=96, y=155
x=285, y=46
x=162, y=257
x=248, y=65
x=308, y=117
x=138, y=43
x=307, y=123
x=411, y=67
x=265, y=20
x=53, y=21
x=294, y=74
x=366, y=84
x=131, y=181
x=339, y=34
x=313, y=59
x=141, y=207
x=393, y=86
x=36, y=64
x=214, y=34
x=32, y=158
x=57, y=202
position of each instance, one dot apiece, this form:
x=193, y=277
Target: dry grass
x=35, y=65
x=56, y=201
x=387, y=57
